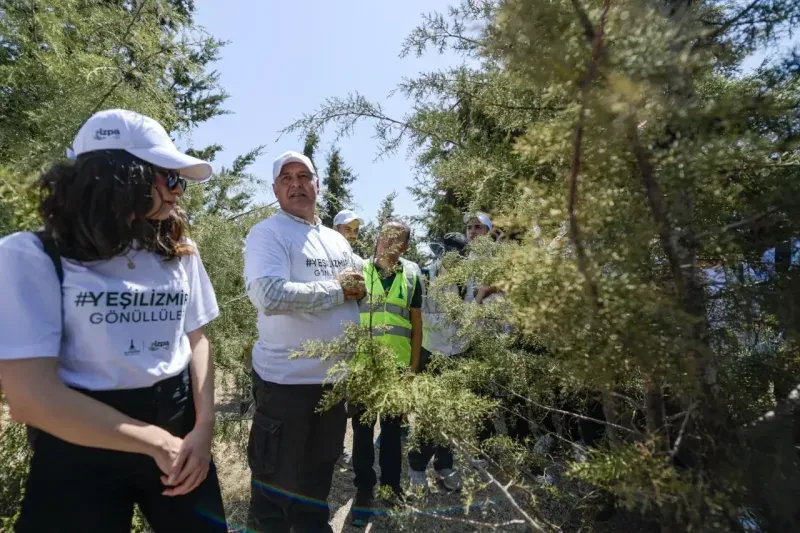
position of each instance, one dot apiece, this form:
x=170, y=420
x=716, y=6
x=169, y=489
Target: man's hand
x=352, y=284
x=190, y=467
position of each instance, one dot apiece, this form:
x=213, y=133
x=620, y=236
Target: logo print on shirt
x=132, y=350
x=159, y=345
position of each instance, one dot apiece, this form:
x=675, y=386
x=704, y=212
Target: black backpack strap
x=51, y=249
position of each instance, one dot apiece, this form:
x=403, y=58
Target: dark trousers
x=418, y=459
x=391, y=453
x=79, y=489
x=292, y=452
x=443, y=456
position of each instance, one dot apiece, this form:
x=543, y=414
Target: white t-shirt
x=122, y=328
x=289, y=249
x=437, y=334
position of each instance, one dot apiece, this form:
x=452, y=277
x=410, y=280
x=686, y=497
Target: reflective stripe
x=375, y=308
x=399, y=311
x=400, y=331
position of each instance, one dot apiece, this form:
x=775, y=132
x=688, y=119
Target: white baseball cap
x=346, y=216
x=120, y=129
x=291, y=157
x=483, y=218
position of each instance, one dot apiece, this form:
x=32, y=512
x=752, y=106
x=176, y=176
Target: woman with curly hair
x=102, y=351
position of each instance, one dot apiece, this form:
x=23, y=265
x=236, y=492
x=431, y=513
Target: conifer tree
x=636, y=128
x=336, y=193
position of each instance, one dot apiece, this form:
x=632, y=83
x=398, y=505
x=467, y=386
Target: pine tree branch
x=253, y=210
x=133, y=21
x=467, y=521
x=590, y=76
x=733, y=21
x=127, y=73
x=534, y=524
x=586, y=23
x=576, y=415
x=653, y=191
x=676, y=447
x=735, y=225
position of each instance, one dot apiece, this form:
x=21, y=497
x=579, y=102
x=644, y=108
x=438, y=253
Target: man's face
x=392, y=242
x=296, y=190
x=475, y=229
x=349, y=231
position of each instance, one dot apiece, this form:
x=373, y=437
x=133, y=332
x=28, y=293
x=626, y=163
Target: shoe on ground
x=417, y=481
x=345, y=460
x=450, y=479
x=479, y=462
x=362, y=510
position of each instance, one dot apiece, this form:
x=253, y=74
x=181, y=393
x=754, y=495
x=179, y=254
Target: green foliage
x=220, y=241
x=62, y=60
x=18, y=202
x=15, y=457
x=631, y=129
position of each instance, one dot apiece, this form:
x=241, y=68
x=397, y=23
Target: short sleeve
x=30, y=309
x=202, y=306
x=416, y=299
x=265, y=255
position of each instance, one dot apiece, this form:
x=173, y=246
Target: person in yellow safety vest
x=393, y=302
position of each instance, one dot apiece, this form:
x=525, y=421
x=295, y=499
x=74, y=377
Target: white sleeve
x=30, y=307
x=202, y=307
x=265, y=255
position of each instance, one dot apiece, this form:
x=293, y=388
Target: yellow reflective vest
x=388, y=313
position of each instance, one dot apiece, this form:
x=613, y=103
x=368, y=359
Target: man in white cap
x=347, y=222
x=478, y=225
x=302, y=279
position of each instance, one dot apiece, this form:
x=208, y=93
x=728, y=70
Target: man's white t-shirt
x=122, y=328
x=283, y=247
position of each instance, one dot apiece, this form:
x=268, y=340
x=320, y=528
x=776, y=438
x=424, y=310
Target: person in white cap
x=102, y=350
x=347, y=222
x=478, y=225
x=303, y=280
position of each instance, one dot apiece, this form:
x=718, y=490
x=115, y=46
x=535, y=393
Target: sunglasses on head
x=172, y=178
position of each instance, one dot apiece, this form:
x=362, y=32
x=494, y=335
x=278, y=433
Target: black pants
x=79, y=489
x=391, y=453
x=443, y=456
x=292, y=452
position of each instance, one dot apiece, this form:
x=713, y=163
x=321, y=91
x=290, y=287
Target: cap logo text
x=101, y=134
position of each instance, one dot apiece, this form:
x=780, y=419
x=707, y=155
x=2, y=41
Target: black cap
x=455, y=242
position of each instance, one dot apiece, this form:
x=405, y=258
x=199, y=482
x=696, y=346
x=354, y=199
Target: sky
x=285, y=58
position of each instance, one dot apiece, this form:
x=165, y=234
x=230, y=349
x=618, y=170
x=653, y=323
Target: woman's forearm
x=202, y=371
x=39, y=398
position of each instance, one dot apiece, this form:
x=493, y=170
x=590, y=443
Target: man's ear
x=317, y=184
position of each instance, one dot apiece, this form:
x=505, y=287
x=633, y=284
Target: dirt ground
x=438, y=512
